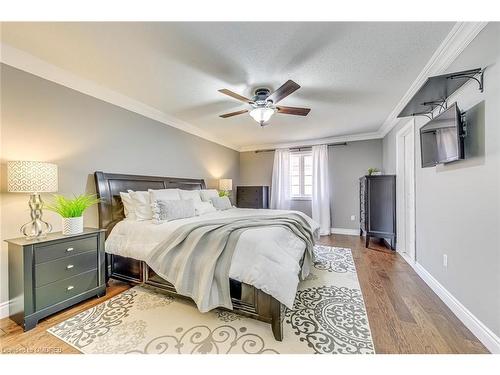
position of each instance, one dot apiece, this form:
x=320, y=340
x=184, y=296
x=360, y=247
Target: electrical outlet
x=445, y=260
x=353, y=217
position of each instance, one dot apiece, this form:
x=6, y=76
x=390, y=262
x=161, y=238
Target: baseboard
x=350, y=232
x=408, y=260
x=4, y=309
x=483, y=333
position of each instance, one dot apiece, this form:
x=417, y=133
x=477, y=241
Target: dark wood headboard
x=109, y=186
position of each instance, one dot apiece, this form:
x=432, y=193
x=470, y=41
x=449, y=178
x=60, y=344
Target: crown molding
x=452, y=46
x=312, y=142
x=24, y=61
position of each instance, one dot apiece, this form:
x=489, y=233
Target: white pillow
x=128, y=206
x=164, y=194
x=202, y=208
x=221, y=203
x=206, y=194
x=190, y=194
x=142, y=204
x=168, y=210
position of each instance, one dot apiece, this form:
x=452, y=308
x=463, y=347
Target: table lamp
x=33, y=177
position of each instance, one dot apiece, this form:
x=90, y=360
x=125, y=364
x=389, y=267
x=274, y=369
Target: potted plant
x=373, y=171
x=71, y=211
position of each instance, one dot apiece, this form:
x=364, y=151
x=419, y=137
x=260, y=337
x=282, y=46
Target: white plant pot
x=72, y=225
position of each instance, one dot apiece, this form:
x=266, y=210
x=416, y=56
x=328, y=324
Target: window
x=301, y=175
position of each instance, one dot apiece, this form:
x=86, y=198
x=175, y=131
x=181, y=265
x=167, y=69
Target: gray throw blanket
x=196, y=258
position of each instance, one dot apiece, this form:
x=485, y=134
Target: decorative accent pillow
x=203, y=208
x=128, y=206
x=221, y=203
x=190, y=194
x=206, y=194
x=168, y=210
x=142, y=204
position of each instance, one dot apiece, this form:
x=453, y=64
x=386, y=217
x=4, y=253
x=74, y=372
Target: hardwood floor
x=405, y=315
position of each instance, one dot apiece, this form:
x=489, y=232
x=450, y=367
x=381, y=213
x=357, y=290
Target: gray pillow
x=168, y=210
x=221, y=203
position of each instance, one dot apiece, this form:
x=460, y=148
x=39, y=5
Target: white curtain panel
x=280, y=185
x=321, y=189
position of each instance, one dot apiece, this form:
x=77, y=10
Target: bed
x=128, y=243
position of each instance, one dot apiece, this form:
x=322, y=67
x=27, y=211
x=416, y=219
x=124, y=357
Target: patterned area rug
x=329, y=316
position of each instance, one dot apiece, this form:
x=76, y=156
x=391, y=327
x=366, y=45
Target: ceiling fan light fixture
x=263, y=104
x=262, y=115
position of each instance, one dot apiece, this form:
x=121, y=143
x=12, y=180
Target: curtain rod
x=300, y=148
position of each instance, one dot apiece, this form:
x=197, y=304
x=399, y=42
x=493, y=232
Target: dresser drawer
x=252, y=190
x=252, y=201
x=65, y=267
x=248, y=205
x=63, y=289
x=46, y=253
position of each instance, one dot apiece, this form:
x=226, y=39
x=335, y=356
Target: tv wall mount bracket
x=474, y=75
x=434, y=93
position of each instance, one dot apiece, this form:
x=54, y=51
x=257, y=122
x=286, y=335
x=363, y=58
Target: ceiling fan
x=263, y=104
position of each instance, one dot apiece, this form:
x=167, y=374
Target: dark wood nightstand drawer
x=48, y=252
x=64, y=268
x=64, y=289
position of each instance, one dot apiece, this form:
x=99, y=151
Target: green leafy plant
x=223, y=193
x=67, y=207
x=372, y=171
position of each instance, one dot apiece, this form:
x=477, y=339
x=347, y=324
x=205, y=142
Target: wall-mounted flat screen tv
x=441, y=139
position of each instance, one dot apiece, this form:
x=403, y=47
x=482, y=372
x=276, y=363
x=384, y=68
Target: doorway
x=405, y=191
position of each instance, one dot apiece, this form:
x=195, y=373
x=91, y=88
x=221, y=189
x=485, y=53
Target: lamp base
x=36, y=228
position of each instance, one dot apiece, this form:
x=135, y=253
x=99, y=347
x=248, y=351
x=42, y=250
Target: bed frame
x=247, y=300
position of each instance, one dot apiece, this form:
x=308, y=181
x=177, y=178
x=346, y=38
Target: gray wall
x=256, y=168
x=44, y=121
x=347, y=164
x=458, y=205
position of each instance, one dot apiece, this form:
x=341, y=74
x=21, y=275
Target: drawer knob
x=69, y=266
x=70, y=287
x=69, y=249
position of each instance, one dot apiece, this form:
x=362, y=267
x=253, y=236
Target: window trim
x=301, y=197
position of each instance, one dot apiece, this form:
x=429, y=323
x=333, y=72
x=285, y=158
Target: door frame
x=401, y=163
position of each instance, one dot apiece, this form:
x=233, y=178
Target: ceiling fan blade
x=294, y=110
x=234, y=113
x=286, y=89
x=235, y=96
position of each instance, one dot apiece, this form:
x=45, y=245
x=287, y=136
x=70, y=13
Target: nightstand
x=54, y=273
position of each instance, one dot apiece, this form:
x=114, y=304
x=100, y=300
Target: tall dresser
x=377, y=204
x=252, y=196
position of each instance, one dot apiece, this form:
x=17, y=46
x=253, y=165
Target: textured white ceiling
x=352, y=73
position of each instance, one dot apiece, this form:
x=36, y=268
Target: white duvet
x=267, y=258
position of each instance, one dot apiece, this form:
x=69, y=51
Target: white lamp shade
x=225, y=184
x=31, y=177
x=262, y=115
